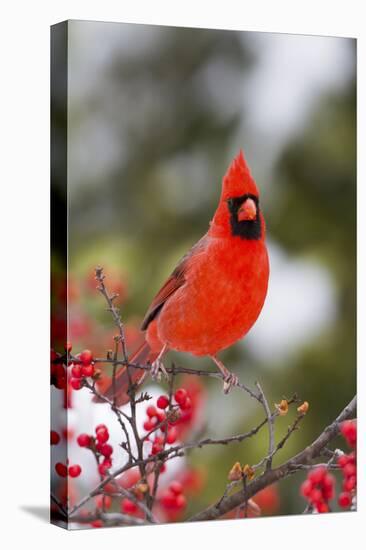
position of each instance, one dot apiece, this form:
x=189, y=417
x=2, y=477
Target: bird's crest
x=238, y=179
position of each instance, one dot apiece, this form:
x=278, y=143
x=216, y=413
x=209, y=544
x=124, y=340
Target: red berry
x=148, y=425
x=87, y=370
x=345, y=500
x=151, y=411
x=316, y=496
x=61, y=382
x=349, y=432
x=186, y=405
x=316, y=476
x=342, y=461
x=84, y=440
x=168, y=500
x=55, y=438
x=100, y=427
x=180, y=502
x=349, y=484
x=104, y=466
x=61, y=469
x=128, y=506
x=106, y=450
x=102, y=435
x=159, y=440
x=180, y=396
x=306, y=488
x=322, y=507
x=162, y=402
x=86, y=357
x=176, y=487
x=76, y=371
x=76, y=383
x=68, y=347
x=75, y=470
x=161, y=416
x=349, y=470
x=172, y=435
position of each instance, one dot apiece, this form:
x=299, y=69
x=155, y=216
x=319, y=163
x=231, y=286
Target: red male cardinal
x=216, y=293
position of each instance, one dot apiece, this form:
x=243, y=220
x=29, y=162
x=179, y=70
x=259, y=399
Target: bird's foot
x=230, y=379
x=157, y=369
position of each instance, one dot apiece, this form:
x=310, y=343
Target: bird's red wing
x=175, y=281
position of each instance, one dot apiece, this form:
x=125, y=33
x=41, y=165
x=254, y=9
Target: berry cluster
x=159, y=418
x=98, y=444
x=83, y=369
x=318, y=489
x=348, y=465
x=63, y=470
x=173, y=500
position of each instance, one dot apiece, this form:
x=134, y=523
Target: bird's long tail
x=117, y=391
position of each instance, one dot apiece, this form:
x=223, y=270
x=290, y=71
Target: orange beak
x=247, y=211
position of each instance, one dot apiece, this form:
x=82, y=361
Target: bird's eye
x=230, y=202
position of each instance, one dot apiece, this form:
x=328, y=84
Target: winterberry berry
x=151, y=411
x=55, y=438
x=86, y=357
x=172, y=435
x=76, y=383
x=61, y=469
x=87, y=370
x=84, y=440
x=186, y=405
x=106, y=450
x=76, y=371
x=180, y=396
x=102, y=435
x=162, y=402
x=75, y=470
x=176, y=487
x=128, y=506
x=345, y=500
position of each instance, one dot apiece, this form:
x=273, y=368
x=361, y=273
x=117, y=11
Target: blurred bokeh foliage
x=175, y=109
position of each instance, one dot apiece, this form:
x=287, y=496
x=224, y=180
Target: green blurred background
x=155, y=116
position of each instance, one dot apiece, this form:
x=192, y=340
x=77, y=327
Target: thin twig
x=270, y=419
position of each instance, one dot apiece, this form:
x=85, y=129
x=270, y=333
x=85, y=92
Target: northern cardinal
x=217, y=291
